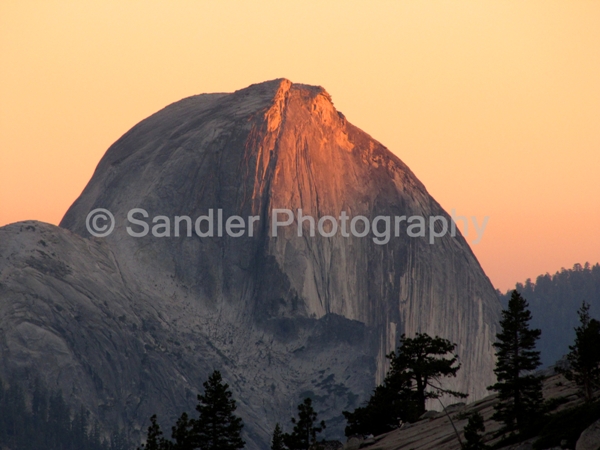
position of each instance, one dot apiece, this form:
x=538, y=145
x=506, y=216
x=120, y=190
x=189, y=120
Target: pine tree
x=305, y=431
x=154, y=439
x=584, y=355
x=391, y=402
x=519, y=392
x=422, y=360
x=415, y=370
x=475, y=425
x=183, y=434
x=217, y=428
x=277, y=442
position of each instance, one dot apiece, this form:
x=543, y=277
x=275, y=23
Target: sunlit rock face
x=282, y=316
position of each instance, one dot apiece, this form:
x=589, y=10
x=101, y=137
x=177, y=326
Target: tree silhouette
x=217, y=428
x=277, y=443
x=183, y=434
x=584, y=355
x=415, y=375
x=391, y=402
x=305, y=431
x=154, y=439
x=475, y=425
x=519, y=391
x=422, y=360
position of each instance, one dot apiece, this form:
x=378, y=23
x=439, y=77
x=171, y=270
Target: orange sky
x=495, y=105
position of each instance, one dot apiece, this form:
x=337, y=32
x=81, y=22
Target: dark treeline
x=554, y=301
x=45, y=421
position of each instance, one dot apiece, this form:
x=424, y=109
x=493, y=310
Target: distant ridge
x=554, y=301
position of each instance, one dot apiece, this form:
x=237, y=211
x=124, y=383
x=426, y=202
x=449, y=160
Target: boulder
x=590, y=438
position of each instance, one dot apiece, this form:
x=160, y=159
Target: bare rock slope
x=131, y=326
x=441, y=431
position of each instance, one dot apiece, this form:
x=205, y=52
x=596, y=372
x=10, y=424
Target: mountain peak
x=283, y=145
x=281, y=87
x=282, y=315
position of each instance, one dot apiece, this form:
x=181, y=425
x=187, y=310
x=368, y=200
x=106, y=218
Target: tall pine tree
x=305, y=428
x=154, y=439
x=182, y=434
x=217, y=428
x=584, y=355
x=277, y=442
x=519, y=391
x=424, y=361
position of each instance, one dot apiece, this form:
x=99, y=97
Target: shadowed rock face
x=143, y=321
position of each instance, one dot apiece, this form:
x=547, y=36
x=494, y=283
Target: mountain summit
x=129, y=326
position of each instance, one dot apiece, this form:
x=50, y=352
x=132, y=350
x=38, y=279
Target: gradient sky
x=495, y=105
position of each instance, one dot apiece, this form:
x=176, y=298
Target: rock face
x=130, y=326
x=590, y=438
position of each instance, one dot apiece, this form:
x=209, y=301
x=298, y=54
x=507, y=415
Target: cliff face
x=282, y=317
x=73, y=316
